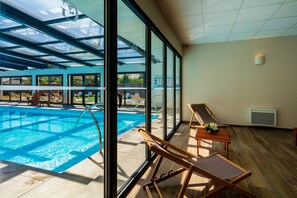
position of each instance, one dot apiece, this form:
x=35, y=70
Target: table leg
x=227, y=150
x=198, y=145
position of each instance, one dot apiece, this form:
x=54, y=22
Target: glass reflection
x=31, y=35
x=81, y=28
x=170, y=91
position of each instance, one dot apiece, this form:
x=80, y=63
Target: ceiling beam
x=16, y=60
x=11, y=65
x=30, y=45
x=26, y=57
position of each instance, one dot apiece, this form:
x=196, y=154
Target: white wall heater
x=263, y=117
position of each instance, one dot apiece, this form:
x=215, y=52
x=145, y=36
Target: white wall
x=225, y=77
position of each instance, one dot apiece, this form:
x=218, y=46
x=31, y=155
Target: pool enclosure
x=70, y=54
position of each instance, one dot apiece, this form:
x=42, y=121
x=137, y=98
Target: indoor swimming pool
x=48, y=138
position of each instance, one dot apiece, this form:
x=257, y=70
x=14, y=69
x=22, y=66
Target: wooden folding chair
x=203, y=115
x=214, y=167
x=34, y=100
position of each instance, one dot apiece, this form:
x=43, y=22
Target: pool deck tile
x=18, y=185
x=56, y=187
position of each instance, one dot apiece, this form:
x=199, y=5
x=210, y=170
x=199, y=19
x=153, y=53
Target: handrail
x=89, y=109
x=95, y=120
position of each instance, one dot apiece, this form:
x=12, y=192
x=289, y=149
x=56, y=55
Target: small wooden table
x=221, y=136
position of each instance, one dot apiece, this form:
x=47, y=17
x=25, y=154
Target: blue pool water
x=48, y=139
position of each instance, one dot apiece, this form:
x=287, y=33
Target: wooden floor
x=268, y=153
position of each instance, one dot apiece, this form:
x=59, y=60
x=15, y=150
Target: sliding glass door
x=132, y=86
x=157, y=86
x=170, y=90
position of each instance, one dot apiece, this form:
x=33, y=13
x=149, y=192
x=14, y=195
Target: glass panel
x=6, y=44
x=15, y=95
x=26, y=95
x=96, y=63
x=90, y=97
x=80, y=29
x=77, y=97
x=26, y=51
x=26, y=80
x=121, y=80
x=44, y=10
x=177, y=87
x=15, y=81
x=52, y=58
x=84, y=56
x=97, y=43
x=55, y=80
x=43, y=80
x=121, y=44
x=90, y=80
x=77, y=94
x=7, y=23
x=5, y=95
x=127, y=53
x=62, y=47
x=133, y=61
x=73, y=64
x=170, y=91
x=44, y=95
x=157, y=86
x=5, y=81
x=31, y=35
x=77, y=81
x=131, y=86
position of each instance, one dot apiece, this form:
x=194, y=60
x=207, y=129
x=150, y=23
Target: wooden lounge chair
x=215, y=167
x=56, y=99
x=14, y=96
x=137, y=100
x=34, y=100
x=203, y=115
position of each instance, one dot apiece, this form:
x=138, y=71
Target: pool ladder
x=89, y=109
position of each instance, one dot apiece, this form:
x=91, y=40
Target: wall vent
x=263, y=117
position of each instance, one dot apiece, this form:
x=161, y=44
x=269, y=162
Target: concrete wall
x=225, y=77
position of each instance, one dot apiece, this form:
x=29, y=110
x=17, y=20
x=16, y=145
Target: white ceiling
x=208, y=21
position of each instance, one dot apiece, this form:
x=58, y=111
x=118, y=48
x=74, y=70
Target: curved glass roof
x=55, y=33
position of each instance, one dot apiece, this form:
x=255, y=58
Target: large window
x=16, y=95
x=86, y=95
x=50, y=80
